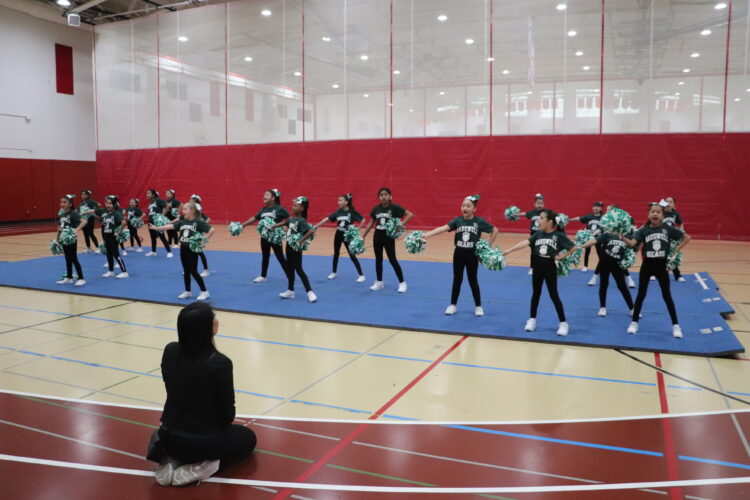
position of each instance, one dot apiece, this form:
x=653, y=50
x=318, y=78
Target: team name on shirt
x=669, y=220
x=292, y=228
x=545, y=244
x=271, y=213
x=614, y=247
x=464, y=242
x=186, y=229
x=382, y=217
x=65, y=221
x=343, y=219
x=658, y=250
x=108, y=223
x=152, y=209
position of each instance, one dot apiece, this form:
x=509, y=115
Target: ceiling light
x=586, y=68
x=720, y=5
x=505, y=71
x=490, y=59
x=680, y=83
x=248, y=59
x=396, y=72
x=411, y=111
x=694, y=55
x=747, y=90
x=297, y=73
x=326, y=38
x=63, y=3
x=365, y=95
x=737, y=99
x=442, y=18
x=182, y=38
x=335, y=85
x=469, y=41
x=677, y=94
x=364, y=57
x=572, y=33
x=579, y=53
x=706, y=32
x=686, y=70
x=561, y=6
x=265, y=12
x=442, y=93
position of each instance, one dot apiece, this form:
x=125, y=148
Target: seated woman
x=197, y=437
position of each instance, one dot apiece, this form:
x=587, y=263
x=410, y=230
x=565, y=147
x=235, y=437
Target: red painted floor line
x=361, y=427
x=669, y=449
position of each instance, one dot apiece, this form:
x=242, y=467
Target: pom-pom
x=512, y=213
x=582, y=236
x=294, y=239
x=674, y=259
x=617, y=221
x=159, y=220
x=134, y=221
x=415, y=242
x=235, y=228
x=563, y=266
x=490, y=256
x=561, y=220
x=351, y=233
x=102, y=248
x=175, y=212
x=198, y=242
x=628, y=259
x=273, y=236
x=394, y=228
x=55, y=247
x=356, y=246
x=68, y=236
x=85, y=212
x=122, y=235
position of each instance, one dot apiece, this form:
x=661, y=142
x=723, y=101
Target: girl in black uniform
x=610, y=256
x=271, y=209
x=379, y=215
x=469, y=229
x=655, y=237
x=592, y=223
x=88, y=205
x=628, y=278
x=111, y=218
x=172, y=203
x=297, y=224
x=672, y=218
x=205, y=218
x=70, y=218
x=533, y=216
x=186, y=228
x=132, y=213
x=345, y=216
x=156, y=206
x=547, y=245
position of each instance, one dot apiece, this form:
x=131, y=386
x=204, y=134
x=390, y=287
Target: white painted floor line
x=701, y=281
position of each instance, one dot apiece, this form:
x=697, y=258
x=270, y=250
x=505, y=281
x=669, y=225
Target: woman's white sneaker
x=260, y=279
x=378, y=285
x=122, y=275
x=165, y=472
x=451, y=309
x=361, y=279
x=332, y=276
x=139, y=250
x=169, y=255
x=191, y=473
x=563, y=329
x=630, y=281
x=676, y=331
x=402, y=288
x=592, y=281
x=203, y=295
x=530, y=325
x=108, y=274
x=185, y=295
x=311, y=297
x=123, y=253
x=602, y=311
x=478, y=311
x=80, y=283
x=289, y=294
x=633, y=328
x=150, y=254
x=65, y=281
x=206, y=273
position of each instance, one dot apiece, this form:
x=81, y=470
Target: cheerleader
x=271, y=209
x=187, y=228
x=297, y=224
x=592, y=223
x=111, y=218
x=345, y=216
x=611, y=254
x=172, y=204
x=89, y=205
x=205, y=218
x=469, y=229
x=628, y=278
x=672, y=218
x=656, y=237
x=133, y=213
x=381, y=241
x=548, y=245
x=156, y=206
x=68, y=217
x=533, y=216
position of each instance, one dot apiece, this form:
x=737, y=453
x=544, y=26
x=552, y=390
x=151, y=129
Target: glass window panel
x=738, y=89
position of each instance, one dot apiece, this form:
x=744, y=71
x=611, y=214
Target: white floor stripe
x=701, y=281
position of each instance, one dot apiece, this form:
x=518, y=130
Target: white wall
x=61, y=125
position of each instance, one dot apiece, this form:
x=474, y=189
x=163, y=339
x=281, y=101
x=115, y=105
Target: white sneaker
x=105, y=265
x=80, y=282
x=378, y=285
x=402, y=287
x=150, y=254
x=260, y=279
x=676, y=331
x=191, y=473
x=633, y=328
x=108, y=274
x=165, y=472
x=563, y=329
x=169, y=255
x=311, y=297
x=584, y=269
x=531, y=271
x=630, y=281
x=123, y=253
x=451, y=309
x=530, y=325
x=139, y=250
x=96, y=250
x=478, y=311
x=289, y=294
x=206, y=273
x=332, y=276
x=653, y=278
x=122, y=275
x=592, y=281
x=185, y=295
x=681, y=279
x=361, y=278
x=203, y=295
x=602, y=311
x=65, y=281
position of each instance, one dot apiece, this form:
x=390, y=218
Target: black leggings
x=190, y=268
x=337, y=241
x=382, y=241
x=71, y=259
x=113, y=252
x=204, y=260
x=88, y=233
x=134, y=238
x=172, y=238
x=677, y=273
x=229, y=446
x=465, y=258
x=610, y=266
x=586, y=257
x=545, y=270
x=265, y=250
x=658, y=268
x=160, y=235
x=294, y=264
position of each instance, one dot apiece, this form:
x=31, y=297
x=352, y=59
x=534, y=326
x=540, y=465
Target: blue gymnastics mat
x=505, y=298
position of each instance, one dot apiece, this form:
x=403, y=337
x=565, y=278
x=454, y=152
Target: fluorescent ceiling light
x=182, y=38
x=720, y=6
x=326, y=38
x=706, y=32
x=572, y=33
x=579, y=53
x=364, y=57
x=265, y=12
x=442, y=18
x=694, y=55
x=248, y=59
x=561, y=6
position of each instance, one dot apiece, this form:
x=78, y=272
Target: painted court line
x=390, y=489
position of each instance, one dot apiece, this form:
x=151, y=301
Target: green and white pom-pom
x=415, y=242
x=356, y=246
x=68, y=236
x=394, y=228
x=273, y=236
x=198, y=242
x=351, y=233
x=55, y=247
x=677, y=261
x=582, y=236
x=293, y=240
x=175, y=212
x=136, y=222
x=235, y=228
x=85, y=212
x=574, y=259
x=563, y=266
x=102, y=248
x=159, y=220
x=512, y=213
x=122, y=235
x=561, y=220
x=616, y=221
x=628, y=259
x=490, y=256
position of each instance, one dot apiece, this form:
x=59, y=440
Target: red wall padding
x=706, y=173
x=31, y=189
x=64, y=69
